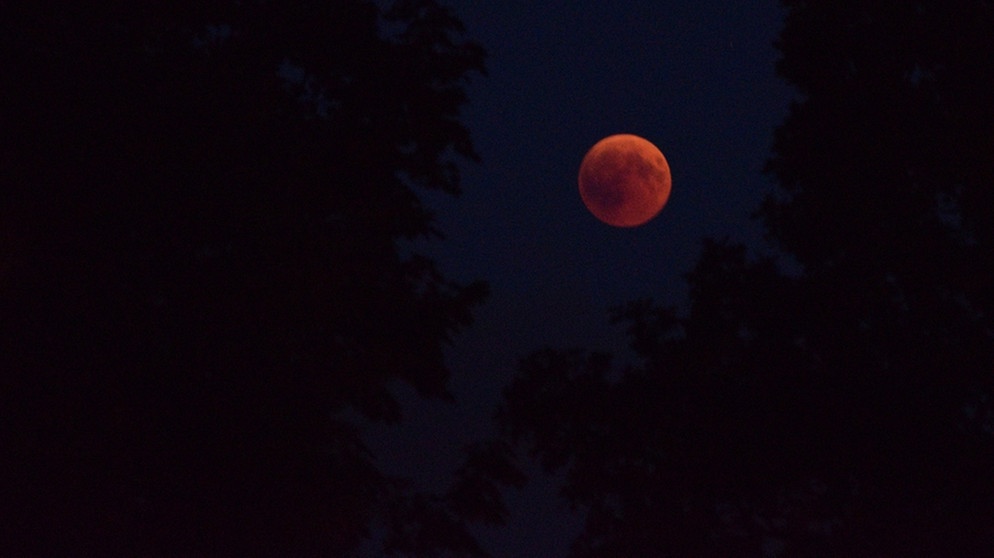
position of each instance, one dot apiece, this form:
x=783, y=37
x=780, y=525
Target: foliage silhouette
x=840, y=411
x=203, y=282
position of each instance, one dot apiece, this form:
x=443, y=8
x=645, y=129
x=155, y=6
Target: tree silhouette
x=839, y=411
x=203, y=281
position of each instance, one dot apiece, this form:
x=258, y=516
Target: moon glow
x=624, y=180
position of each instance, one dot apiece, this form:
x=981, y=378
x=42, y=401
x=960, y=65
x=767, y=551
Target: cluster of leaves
x=201, y=205
x=842, y=410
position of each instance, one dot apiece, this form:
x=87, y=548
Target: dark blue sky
x=694, y=77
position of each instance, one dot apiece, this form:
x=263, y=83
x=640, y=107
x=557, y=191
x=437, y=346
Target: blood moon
x=624, y=180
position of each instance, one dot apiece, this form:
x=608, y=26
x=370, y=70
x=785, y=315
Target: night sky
x=695, y=78
x=227, y=326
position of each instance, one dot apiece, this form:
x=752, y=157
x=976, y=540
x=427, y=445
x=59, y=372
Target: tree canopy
x=202, y=285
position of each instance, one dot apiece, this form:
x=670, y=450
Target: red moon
x=624, y=180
